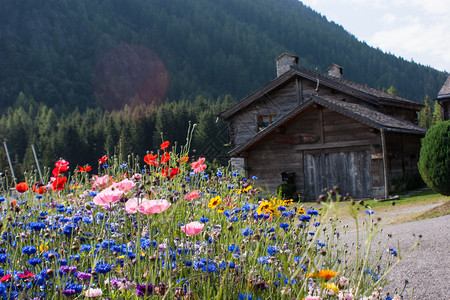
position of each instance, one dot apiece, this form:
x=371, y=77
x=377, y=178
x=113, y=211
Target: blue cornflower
x=3, y=258
x=369, y=212
x=392, y=251
x=36, y=226
x=34, y=261
x=211, y=268
x=281, y=208
x=234, y=219
x=29, y=250
x=93, y=193
x=316, y=224
x=63, y=262
x=204, y=220
x=285, y=226
x=246, y=231
x=85, y=247
x=232, y=247
x=272, y=250
x=235, y=174
x=2, y=199
x=68, y=229
x=304, y=218
x=312, y=212
x=246, y=207
x=245, y=296
x=105, y=166
x=254, y=178
x=219, y=174
x=103, y=268
x=123, y=166
x=263, y=259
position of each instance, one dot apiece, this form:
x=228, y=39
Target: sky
x=416, y=30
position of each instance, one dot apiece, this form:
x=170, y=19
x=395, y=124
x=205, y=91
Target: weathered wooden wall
x=333, y=150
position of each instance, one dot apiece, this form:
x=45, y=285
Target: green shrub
x=434, y=161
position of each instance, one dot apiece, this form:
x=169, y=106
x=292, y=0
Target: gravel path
x=427, y=267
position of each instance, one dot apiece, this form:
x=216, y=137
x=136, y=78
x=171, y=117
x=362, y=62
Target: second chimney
x=335, y=71
x=285, y=62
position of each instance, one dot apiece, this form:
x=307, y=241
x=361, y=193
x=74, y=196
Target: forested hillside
x=77, y=77
x=91, y=53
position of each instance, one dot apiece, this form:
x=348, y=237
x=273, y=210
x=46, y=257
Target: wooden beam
x=321, y=127
x=385, y=171
x=334, y=145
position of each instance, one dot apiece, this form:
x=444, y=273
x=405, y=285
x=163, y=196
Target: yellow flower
x=214, y=202
x=301, y=211
x=287, y=202
x=121, y=257
x=332, y=287
x=221, y=210
x=43, y=247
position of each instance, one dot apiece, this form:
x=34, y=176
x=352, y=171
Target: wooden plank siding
x=344, y=155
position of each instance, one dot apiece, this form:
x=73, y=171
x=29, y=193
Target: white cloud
x=389, y=18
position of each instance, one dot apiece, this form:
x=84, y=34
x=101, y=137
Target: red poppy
x=173, y=172
x=165, y=145
x=62, y=163
x=59, y=170
x=165, y=157
x=22, y=187
x=58, y=183
x=103, y=159
x=83, y=169
x=165, y=171
x=150, y=159
x=25, y=274
x=39, y=188
x=5, y=278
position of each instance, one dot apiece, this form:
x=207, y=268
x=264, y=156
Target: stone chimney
x=335, y=71
x=285, y=62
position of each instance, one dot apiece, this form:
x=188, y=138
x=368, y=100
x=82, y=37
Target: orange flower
x=183, y=159
x=150, y=159
x=165, y=145
x=165, y=157
x=39, y=188
x=83, y=169
x=22, y=187
x=327, y=274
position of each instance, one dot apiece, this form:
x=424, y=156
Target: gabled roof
x=358, y=112
x=445, y=90
x=363, y=92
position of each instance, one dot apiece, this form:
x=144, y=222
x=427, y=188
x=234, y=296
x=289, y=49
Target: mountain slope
x=111, y=52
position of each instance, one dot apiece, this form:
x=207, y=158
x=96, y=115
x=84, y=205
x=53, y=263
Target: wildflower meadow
x=167, y=226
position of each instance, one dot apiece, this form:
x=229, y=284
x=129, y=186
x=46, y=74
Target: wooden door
x=349, y=170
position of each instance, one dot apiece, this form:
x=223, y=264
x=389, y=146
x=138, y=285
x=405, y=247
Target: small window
x=266, y=120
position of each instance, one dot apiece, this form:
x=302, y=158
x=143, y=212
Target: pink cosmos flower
x=199, y=166
x=309, y=297
x=108, y=196
x=150, y=207
x=192, y=195
x=125, y=185
x=131, y=206
x=192, y=228
x=92, y=293
x=100, y=181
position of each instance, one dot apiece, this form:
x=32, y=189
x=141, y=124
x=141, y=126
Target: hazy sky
x=417, y=30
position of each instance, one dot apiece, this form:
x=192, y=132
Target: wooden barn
x=322, y=130
x=444, y=99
